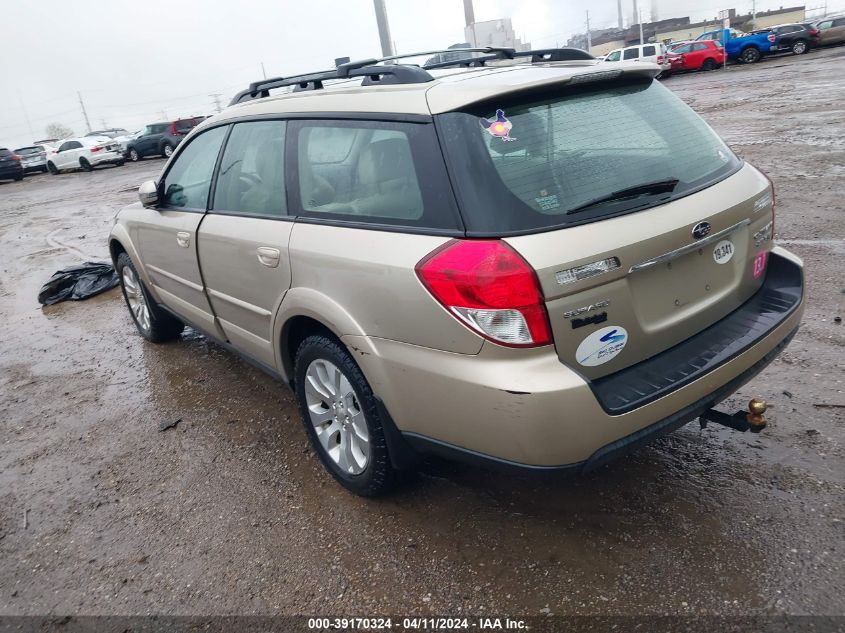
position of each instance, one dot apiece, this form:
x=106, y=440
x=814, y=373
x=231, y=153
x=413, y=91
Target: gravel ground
x=231, y=513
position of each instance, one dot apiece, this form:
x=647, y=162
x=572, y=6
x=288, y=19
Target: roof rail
x=537, y=56
x=376, y=71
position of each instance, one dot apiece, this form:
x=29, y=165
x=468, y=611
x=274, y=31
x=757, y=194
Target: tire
x=167, y=150
x=133, y=155
x=323, y=356
x=85, y=165
x=750, y=55
x=800, y=47
x=44, y=170
x=18, y=178
x=119, y=163
x=709, y=64
x=52, y=168
x=153, y=323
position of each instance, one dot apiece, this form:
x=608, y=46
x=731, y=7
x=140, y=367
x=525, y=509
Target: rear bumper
x=105, y=158
x=11, y=172
x=523, y=408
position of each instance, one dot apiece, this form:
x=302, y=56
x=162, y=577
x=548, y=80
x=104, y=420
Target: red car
x=703, y=55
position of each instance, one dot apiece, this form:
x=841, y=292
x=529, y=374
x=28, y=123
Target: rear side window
x=550, y=160
x=187, y=182
x=251, y=180
x=648, y=51
x=631, y=53
x=371, y=171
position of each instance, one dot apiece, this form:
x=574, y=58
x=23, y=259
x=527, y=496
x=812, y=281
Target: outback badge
x=701, y=230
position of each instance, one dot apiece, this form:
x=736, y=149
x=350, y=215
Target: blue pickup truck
x=742, y=47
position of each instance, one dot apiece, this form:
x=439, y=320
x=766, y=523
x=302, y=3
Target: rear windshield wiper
x=658, y=186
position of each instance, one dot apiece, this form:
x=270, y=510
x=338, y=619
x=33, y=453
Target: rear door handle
x=269, y=256
x=183, y=239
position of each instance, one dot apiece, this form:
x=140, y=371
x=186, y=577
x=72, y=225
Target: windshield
x=532, y=164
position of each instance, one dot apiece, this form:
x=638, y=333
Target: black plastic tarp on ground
x=78, y=282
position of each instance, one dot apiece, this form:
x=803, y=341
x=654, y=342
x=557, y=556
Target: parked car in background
x=831, y=30
x=707, y=55
x=795, y=38
x=655, y=53
x=34, y=157
x=124, y=139
x=10, y=165
x=85, y=153
x=745, y=48
x=160, y=139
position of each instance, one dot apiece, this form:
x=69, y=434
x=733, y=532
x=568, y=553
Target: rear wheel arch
x=295, y=330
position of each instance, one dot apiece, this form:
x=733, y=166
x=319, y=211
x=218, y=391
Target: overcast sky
x=138, y=61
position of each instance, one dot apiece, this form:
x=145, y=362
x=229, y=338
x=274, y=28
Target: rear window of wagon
x=528, y=164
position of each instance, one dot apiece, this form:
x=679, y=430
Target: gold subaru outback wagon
x=520, y=259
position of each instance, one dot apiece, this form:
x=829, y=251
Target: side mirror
x=148, y=193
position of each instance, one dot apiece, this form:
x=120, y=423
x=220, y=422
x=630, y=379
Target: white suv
x=85, y=153
x=654, y=53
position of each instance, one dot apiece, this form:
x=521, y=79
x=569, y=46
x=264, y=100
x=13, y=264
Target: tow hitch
x=751, y=420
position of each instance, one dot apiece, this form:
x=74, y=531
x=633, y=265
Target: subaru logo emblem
x=701, y=230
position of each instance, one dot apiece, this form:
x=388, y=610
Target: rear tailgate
x=668, y=285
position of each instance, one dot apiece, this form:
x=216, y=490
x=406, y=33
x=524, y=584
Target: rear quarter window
x=372, y=172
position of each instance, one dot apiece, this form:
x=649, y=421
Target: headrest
x=389, y=159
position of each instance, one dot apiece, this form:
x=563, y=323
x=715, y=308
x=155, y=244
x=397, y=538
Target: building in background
x=494, y=33
x=678, y=29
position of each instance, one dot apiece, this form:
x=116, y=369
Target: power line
x=84, y=113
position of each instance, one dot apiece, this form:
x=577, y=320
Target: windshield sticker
x=601, y=346
x=547, y=202
x=500, y=127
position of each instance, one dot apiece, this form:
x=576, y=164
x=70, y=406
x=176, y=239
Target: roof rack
x=376, y=71
x=537, y=56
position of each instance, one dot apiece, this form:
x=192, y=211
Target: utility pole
x=754, y=12
x=640, y=20
x=589, y=37
x=25, y=115
x=383, y=29
x=263, y=72
x=216, y=96
x=619, y=12
x=84, y=113
x=469, y=13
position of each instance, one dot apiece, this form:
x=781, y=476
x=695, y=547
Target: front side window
x=631, y=53
x=826, y=24
x=187, y=182
x=613, y=57
x=251, y=180
x=375, y=172
x=564, y=159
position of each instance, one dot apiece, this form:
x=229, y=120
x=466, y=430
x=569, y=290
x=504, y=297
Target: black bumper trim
x=653, y=378
x=611, y=451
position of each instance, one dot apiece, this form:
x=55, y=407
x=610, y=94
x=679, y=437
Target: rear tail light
x=487, y=286
x=660, y=59
x=771, y=37
x=774, y=201
x=96, y=149
x=16, y=157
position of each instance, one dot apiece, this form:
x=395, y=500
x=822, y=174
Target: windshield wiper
x=647, y=188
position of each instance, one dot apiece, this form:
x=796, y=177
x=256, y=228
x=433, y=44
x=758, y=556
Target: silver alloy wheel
x=136, y=299
x=168, y=151
x=335, y=412
x=133, y=155
x=799, y=48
